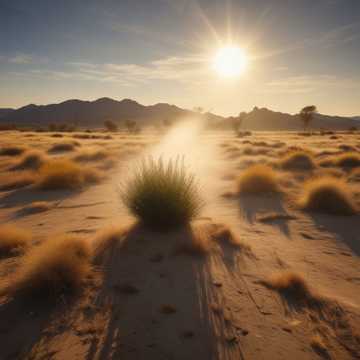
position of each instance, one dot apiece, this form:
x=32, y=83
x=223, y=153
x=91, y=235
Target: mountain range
x=94, y=113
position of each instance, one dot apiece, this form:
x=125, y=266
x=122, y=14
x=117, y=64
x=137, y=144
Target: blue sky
x=300, y=52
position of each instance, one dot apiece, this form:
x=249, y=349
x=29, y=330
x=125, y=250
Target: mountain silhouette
x=94, y=113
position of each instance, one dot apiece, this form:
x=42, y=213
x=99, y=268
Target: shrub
x=13, y=238
x=56, y=266
x=65, y=174
x=96, y=155
x=162, y=196
x=298, y=160
x=292, y=286
x=62, y=147
x=110, y=125
x=30, y=161
x=349, y=160
x=12, y=150
x=328, y=195
x=258, y=179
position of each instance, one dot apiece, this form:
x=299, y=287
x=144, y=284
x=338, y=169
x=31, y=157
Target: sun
x=230, y=61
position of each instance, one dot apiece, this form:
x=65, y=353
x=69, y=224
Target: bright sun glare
x=230, y=61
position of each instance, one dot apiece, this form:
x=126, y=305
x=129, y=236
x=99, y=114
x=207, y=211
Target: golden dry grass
x=12, y=150
x=224, y=234
x=328, y=195
x=318, y=345
x=258, y=179
x=63, y=147
x=12, y=238
x=298, y=160
x=294, y=288
x=54, y=267
x=31, y=160
x=92, y=155
x=64, y=174
x=348, y=160
x=36, y=207
x=16, y=181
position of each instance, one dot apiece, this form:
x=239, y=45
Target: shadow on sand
x=159, y=302
x=342, y=227
x=253, y=206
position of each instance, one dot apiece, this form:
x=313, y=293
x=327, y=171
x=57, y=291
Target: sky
x=300, y=52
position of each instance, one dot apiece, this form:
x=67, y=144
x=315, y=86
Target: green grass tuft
x=162, y=196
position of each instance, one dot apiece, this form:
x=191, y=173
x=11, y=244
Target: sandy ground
x=191, y=307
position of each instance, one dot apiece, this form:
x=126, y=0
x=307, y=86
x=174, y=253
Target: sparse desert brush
x=35, y=207
x=224, y=234
x=64, y=174
x=17, y=181
x=31, y=160
x=328, y=195
x=298, y=160
x=293, y=287
x=318, y=345
x=258, y=179
x=54, y=267
x=12, y=150
x=92, y=155
x=348, y=160
x=12, y=238
x=63, y=147
x=162, y=195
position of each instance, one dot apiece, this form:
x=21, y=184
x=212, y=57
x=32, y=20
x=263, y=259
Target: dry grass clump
x=54, y=267
x=30, y=161
x=348, y=160
x=298, y=160
x=17, y=181
x=94, y=155
x=162, y=196
x=224, y=234
x=258, y=179
x=318, y=345
x=35, y=207
x=293, y=287
x=12, y=238
x=63, y=147
x=328, y=195
x=12, y=150
x=64, y=174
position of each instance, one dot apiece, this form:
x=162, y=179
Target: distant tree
x=132, y=126
x=110, y=125
x=307, y=114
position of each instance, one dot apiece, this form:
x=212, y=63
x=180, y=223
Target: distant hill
x=94, y=113
x=5, y=111
x=265, y=119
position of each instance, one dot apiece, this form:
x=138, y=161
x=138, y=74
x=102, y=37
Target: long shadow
x=253, y=205
x=26, y=196
x=343, y=227
x=24, y=322
x=159, y=302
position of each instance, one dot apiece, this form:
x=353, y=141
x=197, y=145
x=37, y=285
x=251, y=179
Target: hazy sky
x=301, y=52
